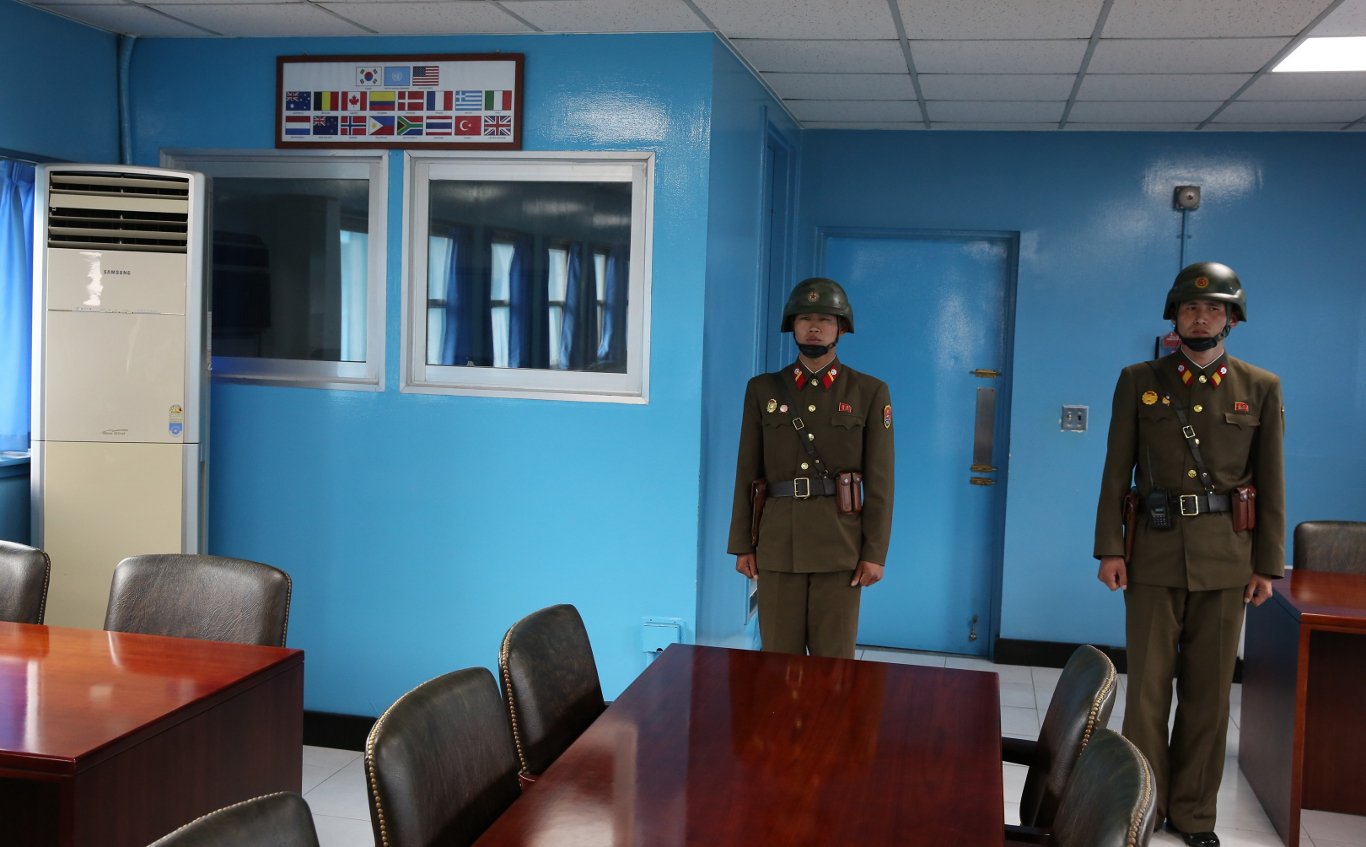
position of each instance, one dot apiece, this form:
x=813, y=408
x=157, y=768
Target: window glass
x=537, y=273
x=297, y=267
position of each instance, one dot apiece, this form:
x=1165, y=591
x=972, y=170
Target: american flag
x=426, y=74
x=498, y=125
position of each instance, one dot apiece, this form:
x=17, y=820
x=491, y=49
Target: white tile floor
x=334, y=780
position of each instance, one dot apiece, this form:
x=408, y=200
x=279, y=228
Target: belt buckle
x=801, y=488
x=1194, y=505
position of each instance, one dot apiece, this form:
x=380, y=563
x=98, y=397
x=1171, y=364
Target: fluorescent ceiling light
x=1326, y=54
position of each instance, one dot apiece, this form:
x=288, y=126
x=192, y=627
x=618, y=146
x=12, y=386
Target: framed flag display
x=465, y=102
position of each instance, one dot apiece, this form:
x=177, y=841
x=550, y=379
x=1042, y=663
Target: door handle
x=983, y=432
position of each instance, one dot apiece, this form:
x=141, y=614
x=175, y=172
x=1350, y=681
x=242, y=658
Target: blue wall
x=418, y=528
x=1099, y=246
x=60, y=101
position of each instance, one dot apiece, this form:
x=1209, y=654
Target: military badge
x=1149, y=398
x=772, y=404
x=1239, y=406
x=812, y=296
x=887, y=416
x=1202, y=282
x=845, y=407
x=1166, y=401
x=783, y=408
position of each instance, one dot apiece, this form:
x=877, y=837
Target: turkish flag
x=469, y=125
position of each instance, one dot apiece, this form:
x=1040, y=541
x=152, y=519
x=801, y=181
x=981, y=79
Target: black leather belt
x=803, y=487
x=1198, y=504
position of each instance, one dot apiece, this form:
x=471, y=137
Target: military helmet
x=818, y=296
x=1207, y=281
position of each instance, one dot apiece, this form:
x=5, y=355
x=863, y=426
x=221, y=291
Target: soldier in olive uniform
x=805, y=431
x=1191, y=570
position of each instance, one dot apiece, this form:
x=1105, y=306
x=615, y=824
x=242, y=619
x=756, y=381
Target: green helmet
x=1207, y=281
x=818, y=296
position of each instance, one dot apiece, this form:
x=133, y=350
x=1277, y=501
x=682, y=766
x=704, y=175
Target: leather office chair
x=24, y=575
x=550, y=685
x=198, y=596
x=1111, y=799
x=1081, y=705
x=1338, y=546
x=439, y=763
x=275, y=820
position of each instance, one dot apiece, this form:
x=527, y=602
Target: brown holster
x=849, y=492
x=758, y=491
x=1130, y=513
x=1244, y=503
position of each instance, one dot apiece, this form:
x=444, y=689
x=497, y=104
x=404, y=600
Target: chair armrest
x=1019, y=751
x=1021, y=836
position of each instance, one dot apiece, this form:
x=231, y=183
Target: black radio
x=1158, y=506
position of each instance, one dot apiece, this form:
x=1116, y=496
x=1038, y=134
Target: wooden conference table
x=115, y=739
x=1301, y=738
x=720, y=747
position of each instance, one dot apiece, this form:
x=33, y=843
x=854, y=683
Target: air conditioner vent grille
x=118, y=211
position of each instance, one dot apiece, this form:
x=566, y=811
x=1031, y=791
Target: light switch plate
x=1074, y=418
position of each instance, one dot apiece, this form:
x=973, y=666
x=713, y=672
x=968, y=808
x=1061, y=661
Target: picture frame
x=469, y=101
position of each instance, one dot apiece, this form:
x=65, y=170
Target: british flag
x=498, y=125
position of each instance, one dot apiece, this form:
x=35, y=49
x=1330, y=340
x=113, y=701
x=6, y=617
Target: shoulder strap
x=1186, y=429
x=798, y=425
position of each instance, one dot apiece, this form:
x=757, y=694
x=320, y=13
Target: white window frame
x=315, y=164
x=420, y=168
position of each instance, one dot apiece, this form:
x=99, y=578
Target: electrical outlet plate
x=1074, y=418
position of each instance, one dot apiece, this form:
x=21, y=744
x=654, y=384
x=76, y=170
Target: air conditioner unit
x=120, y=374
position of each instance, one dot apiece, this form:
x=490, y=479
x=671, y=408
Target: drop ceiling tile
x=988, y=126
x=998, y=57
x=264, y=20
x=994, y=111
x=1182, y=111
x=404, y=18
x=841, y=86
x=974, y=19
x=822, y=56
x=607, y=15
x=854, y=110
x=133, y=20
x=1134, y=127
x=1209, y=18
x=1281, y=111
x=1347, y=19
x=881, y=125
x=1183, y=55
x=800, y=18
x=45, y=4
x=997, y=86
x=1307, y=86
x=1285, y=127
x=1218, y=87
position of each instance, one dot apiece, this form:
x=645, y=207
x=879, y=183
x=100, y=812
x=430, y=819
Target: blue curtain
x=465, y=336
x=16, y=301
x=612, y=347
x=577, y=338
x=528, y=336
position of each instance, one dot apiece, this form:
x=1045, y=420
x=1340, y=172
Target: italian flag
x=497, y=101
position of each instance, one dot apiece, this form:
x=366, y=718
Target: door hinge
x=985, y=373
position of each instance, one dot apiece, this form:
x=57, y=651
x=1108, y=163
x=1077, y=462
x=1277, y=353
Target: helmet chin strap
x=1200, y=345
x=815, y=351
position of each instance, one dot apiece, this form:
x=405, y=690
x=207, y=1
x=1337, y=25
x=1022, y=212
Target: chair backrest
x=550, y=684
x=1111, y=799
x=1081, y=704
x=1338, y=546
x=439, y=763
x=275, y=820
x=198, y=596
x=24, y=574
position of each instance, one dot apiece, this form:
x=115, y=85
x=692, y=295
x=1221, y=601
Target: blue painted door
x=932, y=318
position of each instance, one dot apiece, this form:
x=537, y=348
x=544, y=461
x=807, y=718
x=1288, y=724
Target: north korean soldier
x=1198, y=437
x=813, y=483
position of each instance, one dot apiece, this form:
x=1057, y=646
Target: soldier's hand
x=1113, y=572
x=1258, y=590
x=744, y=563
x=865, y=574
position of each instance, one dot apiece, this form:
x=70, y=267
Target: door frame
x=1004, y=403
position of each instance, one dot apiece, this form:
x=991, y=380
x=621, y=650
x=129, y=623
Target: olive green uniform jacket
x=1237, y=416
x=850, y=416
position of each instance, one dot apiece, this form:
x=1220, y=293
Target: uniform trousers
x=1192, y=636
x=808, y=611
